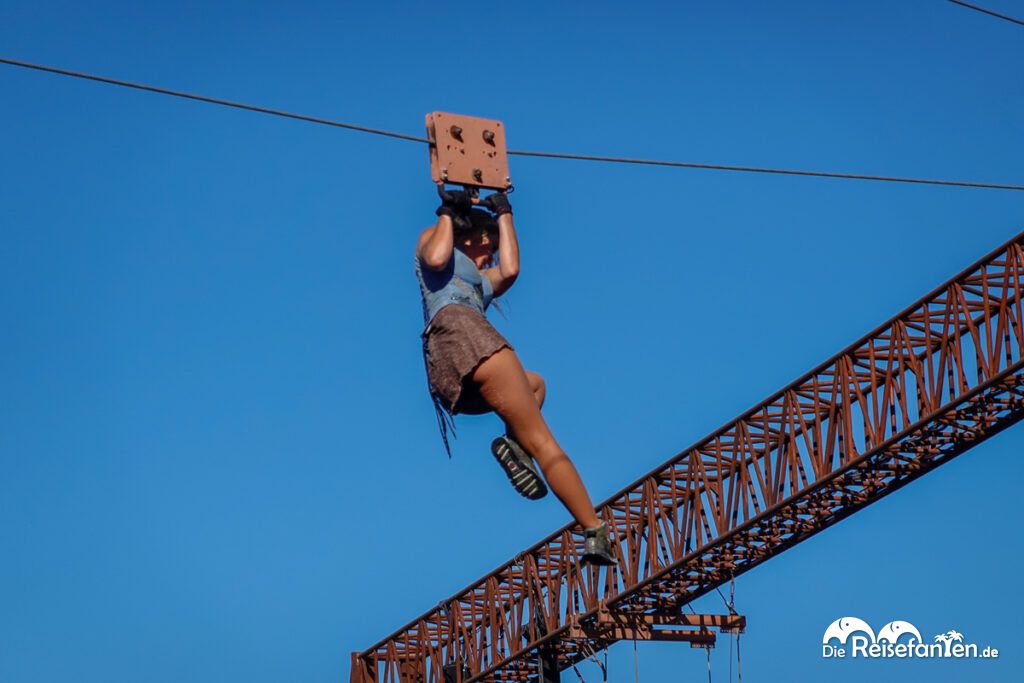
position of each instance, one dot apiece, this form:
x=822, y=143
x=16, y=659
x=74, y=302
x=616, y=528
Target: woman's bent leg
x=504, y=385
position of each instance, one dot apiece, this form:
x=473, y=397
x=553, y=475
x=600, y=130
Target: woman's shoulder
x=424, y=236
x=421, y=242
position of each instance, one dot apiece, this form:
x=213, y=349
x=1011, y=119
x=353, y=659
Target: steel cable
x=211, y=100
x=522, y=153
x=758, y=169
x=987, y=11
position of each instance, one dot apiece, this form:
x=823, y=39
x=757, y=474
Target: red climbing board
x=466, y=150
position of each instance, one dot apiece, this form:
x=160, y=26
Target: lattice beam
x=942, y=376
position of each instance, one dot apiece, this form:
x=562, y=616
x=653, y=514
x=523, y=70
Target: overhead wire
x=987, y=11
x=210, y=100
x=757, y=169
x=522, y=153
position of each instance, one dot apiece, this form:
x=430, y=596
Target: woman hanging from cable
x=472, y=369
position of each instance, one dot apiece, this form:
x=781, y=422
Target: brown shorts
x=458, y=340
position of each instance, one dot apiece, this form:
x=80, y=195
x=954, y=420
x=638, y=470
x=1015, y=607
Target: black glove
x=497, y=203
x=453, y=202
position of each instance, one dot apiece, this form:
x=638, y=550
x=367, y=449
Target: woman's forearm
x=508, y=247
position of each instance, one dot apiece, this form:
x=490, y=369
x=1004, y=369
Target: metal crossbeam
x=610, y=626
x=942, y=376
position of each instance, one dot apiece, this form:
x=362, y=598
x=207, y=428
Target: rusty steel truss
x=942, y=376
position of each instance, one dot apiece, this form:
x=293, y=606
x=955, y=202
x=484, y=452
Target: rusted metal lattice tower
x=942, y=376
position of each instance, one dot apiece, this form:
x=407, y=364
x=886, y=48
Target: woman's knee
x=536, y=381
x=508, y=389
x=537, y=386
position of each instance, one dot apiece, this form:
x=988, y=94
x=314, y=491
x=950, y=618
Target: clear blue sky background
x=219, y=460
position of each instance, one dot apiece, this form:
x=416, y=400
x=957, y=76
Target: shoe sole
x=524, y=479
x=598, y=560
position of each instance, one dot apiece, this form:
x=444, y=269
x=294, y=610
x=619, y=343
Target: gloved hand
x=497, y=203
x=453, y=202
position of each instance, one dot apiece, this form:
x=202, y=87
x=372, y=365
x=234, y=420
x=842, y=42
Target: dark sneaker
x=519, y=467
x=597, y=549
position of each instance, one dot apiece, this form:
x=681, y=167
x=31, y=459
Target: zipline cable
x=756, y=169
x=522, y=153
x=987, y=11
x=211, y=100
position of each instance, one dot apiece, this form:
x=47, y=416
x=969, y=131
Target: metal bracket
x=466, y=150
x=695, y=629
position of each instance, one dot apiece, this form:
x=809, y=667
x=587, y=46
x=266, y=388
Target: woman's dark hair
x=477, y=220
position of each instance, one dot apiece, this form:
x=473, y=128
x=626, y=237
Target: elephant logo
x=894, y=629
x=844, y=627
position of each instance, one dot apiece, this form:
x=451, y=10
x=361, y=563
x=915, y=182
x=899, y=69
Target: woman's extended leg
x=506, y=387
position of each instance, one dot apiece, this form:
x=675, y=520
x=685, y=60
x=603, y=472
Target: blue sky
x=219, y=459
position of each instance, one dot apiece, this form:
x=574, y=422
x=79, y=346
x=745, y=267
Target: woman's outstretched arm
x=504, y=275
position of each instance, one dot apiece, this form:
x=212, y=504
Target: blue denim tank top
x=459, y=282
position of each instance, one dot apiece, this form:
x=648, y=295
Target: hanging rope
x=732, y=595
x=730, y=659
x=727, y=605
x=592, y=656
x=731, y=604
x=636, y=663
x=739, y=663
x=603, y=667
